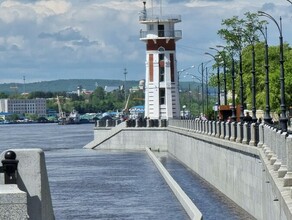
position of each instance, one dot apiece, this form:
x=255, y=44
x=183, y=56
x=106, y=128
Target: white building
x=161, y=82
x=22, y=106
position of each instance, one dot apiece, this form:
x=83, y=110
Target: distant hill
x=68, y=85
x=62, y=85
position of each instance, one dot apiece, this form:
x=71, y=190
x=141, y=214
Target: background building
x=24, y=106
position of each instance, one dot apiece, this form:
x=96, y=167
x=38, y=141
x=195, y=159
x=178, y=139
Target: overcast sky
x=97, y=39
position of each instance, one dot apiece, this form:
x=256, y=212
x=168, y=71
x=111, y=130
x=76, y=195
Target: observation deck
x=146, y=35
x=145, y=19
x=160, y=27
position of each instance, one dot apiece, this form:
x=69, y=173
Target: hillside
x=66, y=85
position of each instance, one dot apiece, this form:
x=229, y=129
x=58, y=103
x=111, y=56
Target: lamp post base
x=283, y=124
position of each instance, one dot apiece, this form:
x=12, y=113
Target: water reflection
x=213, y=204
x=90, y=184
x=93, y=184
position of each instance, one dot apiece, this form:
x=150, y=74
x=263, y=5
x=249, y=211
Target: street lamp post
x=207, y=90
x=218, y=83
x=241, y=87
x=267, y=116
x=253, y=72
x=178, y=78
x=202, y=88
x=125, y=91
x=233, y=116
x=183, y=70
x=283, y=117
x=254, y=118
x=224, y=71
x=233, y=111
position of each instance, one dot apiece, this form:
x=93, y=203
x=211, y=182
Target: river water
x=90, y=184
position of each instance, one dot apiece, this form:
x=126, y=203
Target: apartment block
x=23, y=106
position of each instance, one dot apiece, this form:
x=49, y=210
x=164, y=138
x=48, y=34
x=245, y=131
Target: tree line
x=242, y=37
x=98, y=101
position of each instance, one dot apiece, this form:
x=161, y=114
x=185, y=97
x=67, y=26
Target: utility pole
x=125, y=90
x=24, y=84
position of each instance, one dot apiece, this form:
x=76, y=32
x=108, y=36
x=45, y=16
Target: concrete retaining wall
x=236, y=170
x=131, y=139
x=13, y=203
x=241, y=171
x=33, y=180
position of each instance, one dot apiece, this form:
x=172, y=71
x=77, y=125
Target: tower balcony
x=144, y=19
x=146, y=35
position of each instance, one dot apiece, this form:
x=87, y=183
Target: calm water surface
x=213, y=204
x=89, y=184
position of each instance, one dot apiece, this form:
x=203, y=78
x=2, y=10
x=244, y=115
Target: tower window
x=161, y=67
x=162, y=96
x=161, y=74
x=151, y=67
x=160, y=30
x=172, y=67
x=151, y=27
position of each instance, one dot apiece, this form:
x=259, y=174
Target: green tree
x=274, y=76
x=3, y=95
x=32, y=117
x=13, y=117
x=242, y=36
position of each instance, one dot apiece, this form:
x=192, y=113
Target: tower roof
x=159, y=18
x=144, y=18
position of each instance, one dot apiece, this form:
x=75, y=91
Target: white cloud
x=81, y=39
x=12, y=11
x=51, y=7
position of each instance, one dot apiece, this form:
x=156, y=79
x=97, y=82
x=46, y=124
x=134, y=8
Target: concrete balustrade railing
x=276, y=145
x=29, y=197
x=288, y=176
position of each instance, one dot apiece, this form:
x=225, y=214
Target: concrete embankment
x=240, y=171
x=129, y=139
x=186, y=202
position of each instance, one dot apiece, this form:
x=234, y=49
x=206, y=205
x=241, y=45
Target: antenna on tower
x=152, y=7
x=144, y=12
x=24, y=84
x=160, y=8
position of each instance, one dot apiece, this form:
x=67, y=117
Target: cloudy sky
x=97, y=39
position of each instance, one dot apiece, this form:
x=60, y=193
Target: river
x=91, y=184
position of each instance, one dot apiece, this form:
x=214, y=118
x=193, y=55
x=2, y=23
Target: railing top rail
x=166, y=18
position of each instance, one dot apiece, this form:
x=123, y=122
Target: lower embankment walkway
x=249, y=163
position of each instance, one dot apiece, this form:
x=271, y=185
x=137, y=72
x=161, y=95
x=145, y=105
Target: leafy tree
x=13, y=117
x=37, y=94
x=241, y=36
x=274, y=76
x=32, y=117
x=3, y=95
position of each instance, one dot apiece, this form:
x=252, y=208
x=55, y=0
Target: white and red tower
x=161, y=82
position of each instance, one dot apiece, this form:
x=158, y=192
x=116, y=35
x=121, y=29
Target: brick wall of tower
x=155, y=44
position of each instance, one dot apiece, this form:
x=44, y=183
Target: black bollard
x=10, y=167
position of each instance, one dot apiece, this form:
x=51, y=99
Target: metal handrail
x=173, y=18
x=162, y=34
